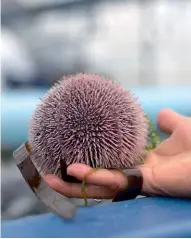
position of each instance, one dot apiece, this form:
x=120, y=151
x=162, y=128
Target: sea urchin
x=88, y=119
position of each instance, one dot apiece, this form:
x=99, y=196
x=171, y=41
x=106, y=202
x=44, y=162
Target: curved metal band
x=58, y=203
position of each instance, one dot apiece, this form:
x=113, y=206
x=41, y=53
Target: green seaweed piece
x=83, y=190
x=154, y=138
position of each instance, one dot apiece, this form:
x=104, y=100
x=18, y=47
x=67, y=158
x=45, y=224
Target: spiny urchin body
x=87, y=119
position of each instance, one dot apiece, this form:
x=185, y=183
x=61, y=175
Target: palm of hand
x=166, y=164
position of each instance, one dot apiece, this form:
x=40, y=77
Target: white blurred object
x=59, y=42
x=134, y=42
x=15, y=59
x=143, y=42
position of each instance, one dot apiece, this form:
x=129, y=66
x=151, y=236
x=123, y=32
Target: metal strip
x=58, y=203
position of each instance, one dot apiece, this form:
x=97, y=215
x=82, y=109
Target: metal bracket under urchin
x=60, y=204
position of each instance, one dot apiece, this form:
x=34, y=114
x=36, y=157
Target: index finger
x=102, y=177
x=74, y=190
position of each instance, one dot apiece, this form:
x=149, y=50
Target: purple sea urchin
x=87, y=119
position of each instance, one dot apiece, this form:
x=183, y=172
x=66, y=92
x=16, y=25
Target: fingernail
x=70, y=171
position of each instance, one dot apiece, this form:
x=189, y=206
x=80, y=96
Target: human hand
x=166, y=170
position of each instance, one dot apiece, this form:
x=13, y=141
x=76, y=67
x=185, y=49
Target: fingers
x=74, y=189
x=106, y=181
x=180, y=128
x=102, y=177
x=178, y=142
x=168, y=120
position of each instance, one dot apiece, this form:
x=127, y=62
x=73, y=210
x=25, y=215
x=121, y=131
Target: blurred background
x=138, y=43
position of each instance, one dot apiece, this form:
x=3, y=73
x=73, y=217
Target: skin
x=166, y=171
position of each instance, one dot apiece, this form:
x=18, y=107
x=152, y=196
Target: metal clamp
x=58, y=203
